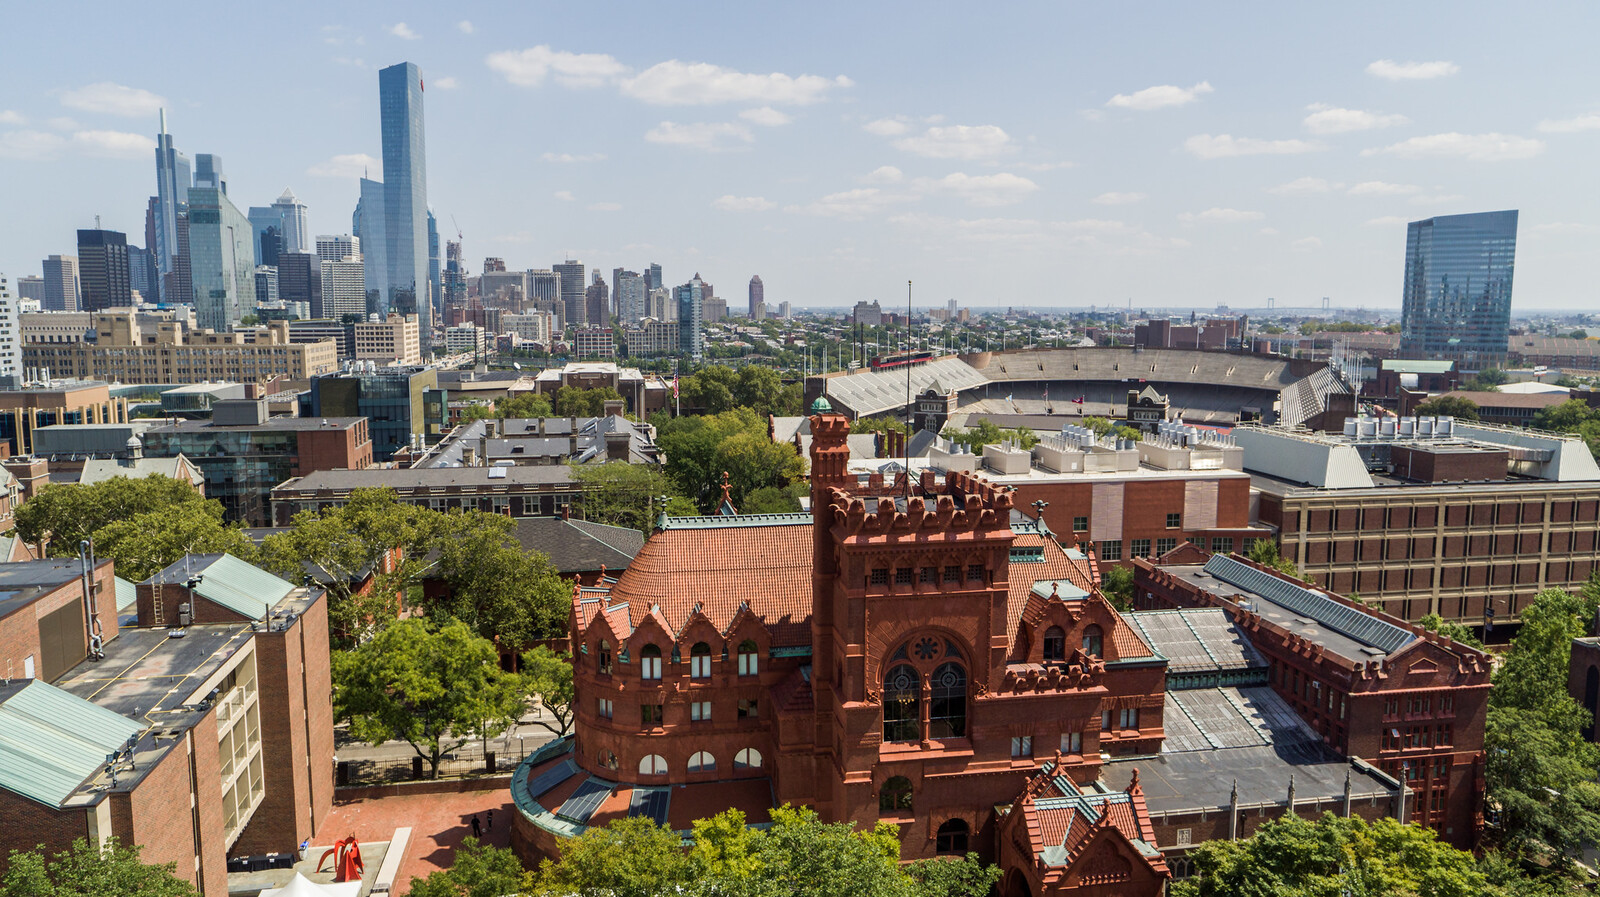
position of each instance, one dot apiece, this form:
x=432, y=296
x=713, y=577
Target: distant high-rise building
x=454, y=277
x=300, y=280
x=335, y=247
x=222, y=262
x=405, y=197
x=661, y=305
x=173, y=180
x=652, y=277
x=103, y=270
x=61, y=289
x=369, y=225
x=544, y=285
x=344, y=289
x=758, y=296
x=784, y=310
x=572, y=291
x=435, y=270
x=31, y=288
x=1457, y=297
x=179, y=286
x=208, y=172
x=142, y=273
x=597, y=303
x=292, y=212
x=10, y=334
x=691, y=318
x=266, y=284
x=950, y=310
x=493, y=263
x=631, y=296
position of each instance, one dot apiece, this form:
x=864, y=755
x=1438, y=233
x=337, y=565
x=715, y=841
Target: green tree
x=878, y=425
x=1454, y=630
x=524, y=405
x=1487, y=380
x=1566, y=417
x=622, y=494
x=1099, y=425
x=1265, y=553
x=759, y=388
x=477, y=870
x=1578, y=334
x=632, y=857
x=415, y=684
x=505, y=594
x=574, y=402
x=84, y=869
x=1450, y=406
x=952, y=877
x=64, y=514
x=549, y=676
x=1332, y=856
x=144, y=544
x=710, y=390
x=700, y=449
x=1116, y=583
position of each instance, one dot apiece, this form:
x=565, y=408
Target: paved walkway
x=438, y=823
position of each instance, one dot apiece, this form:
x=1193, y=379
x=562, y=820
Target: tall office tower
x=1457, y=299
x=10, y=335
x=103, y=270
x=455, y=273
x=493, y=263
x=222, y=259
x=334, y=247
x=266, y=284
x=300, y=280
x=597, y=302
x=178, y=286
x=142, y=273
x=616, y=290
x=266, y=220
x=405, y=197
x=292, y=212
x=172, y=194
x=652, y=277
x=344, y=291
x=208, y=172
x=691, y=318
x=572, y=287
x=435, y=286
x=271, y=246
x=544, y=285
x=631, y=297
x=758, y=295
x=30, y=288
x=369, y=225
x=61, y=291
x=152, y=215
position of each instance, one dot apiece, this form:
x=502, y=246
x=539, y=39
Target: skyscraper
x=208, y=172
x=334, y=247
x=691, y=317
x=294, y=230
x=103, y=270
x=222, y=262
x=300, y=280
x=142, y=273
x=10, y=333
x=172, y=193
x=435, y=285
x=631, y=297
x=61, y=283
x=1457, y=297
x=758, y=297
x=454, y=276
x=596, y=303
x=368, y=224
x=652, y=277
x=405, y=197
x=31, y=288
x=572, y=291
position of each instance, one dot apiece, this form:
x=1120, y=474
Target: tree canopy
x=64, y=514
x=85, y=869
x=477, y=870
x=1449, y=406
x=549, y=677
x=571, y=401
x=700, y=449
x=503, y=593
x=145, y=544
x=985, y=432
x=622, y=494
x=717, y=388
x=527, y=404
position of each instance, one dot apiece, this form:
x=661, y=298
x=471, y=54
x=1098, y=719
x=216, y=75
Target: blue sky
x=1031, y=154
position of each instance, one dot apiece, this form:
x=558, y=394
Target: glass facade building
x=222, y=260
x=405, y=197
x=398, y=403
x=172, y=192
x=691, y=313
x=368, y=227
x=1457, y=301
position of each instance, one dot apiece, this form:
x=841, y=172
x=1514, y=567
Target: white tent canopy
x=301, y=886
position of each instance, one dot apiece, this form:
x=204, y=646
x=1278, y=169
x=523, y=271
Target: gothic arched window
x=902, y=704
x=1092, y=641
x=947, y=711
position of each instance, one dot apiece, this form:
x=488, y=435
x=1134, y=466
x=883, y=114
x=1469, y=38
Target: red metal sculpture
x=347, y=865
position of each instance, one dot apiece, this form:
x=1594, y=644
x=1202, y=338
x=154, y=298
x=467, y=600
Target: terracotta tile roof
x=1130, y=645
x=1057, y=564
x=719, y=567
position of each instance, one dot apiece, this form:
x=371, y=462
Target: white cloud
x=711, y=137
x=958, y=142
x=605, y=206
x=1325, y=119
x=1306, y=243
x=887, y=127
x=1221, y=216
x=884, y=174
x=1589, y=121
x=1304, y=187
x=108, y=98
x=1159, y=97
x=676, y=83
x=766, y=116
x=1222, y=146
x=1381, y=188
x=731, y=203
x=1385, y=221
x=570, y=157
x=9, y=117
x=1411, y=71
x=352, y=165
x=1118, y=199
x=852, y=204
x=1434, y=200
x=564, y=195
x=33, y=146
x=529, y=68
x=402, y=31
x=1475, y=147
x=982, y=190
x=464, y=26
x=113, y=144
x=446, y=83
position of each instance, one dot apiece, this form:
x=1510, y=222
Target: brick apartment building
x=222, y=738
x=531, y=491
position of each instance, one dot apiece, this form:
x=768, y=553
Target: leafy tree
x=574, y=402
x=416, y=684
x=1578, y=334
x=549, y=675
x=1454, y=630
x=1127, y=432
x=632, y=857
x=1540, y=770
x=985, y=432
x=711, y=390
x=1116, y=583
x=505, y=594
x=759, y=388
x=524, y=405
x=1566, y=417
x=1099, y=425
x=85, y=869
x=622, y=494
x=1265, y=553
x=144, y=544
x=878, y=425
x=700, y=449
x=1487, y=380
x=952, y=877
x=478, y=870
x=372, y=534
x=1332, y=856
x=1451, y=406
x=64, y=514
x=774, y=500
x=801, y=855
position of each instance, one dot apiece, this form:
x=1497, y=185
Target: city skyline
x=1209, y=162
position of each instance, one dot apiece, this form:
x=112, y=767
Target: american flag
x=674, y=386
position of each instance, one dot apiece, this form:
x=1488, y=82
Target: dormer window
x=1055, y=644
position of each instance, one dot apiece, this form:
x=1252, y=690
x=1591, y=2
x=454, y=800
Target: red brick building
x=1409, y=701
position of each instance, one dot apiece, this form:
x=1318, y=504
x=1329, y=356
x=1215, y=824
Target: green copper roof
x=821, y=405
x=721, y=522
x=224, y=579
x=52, y=742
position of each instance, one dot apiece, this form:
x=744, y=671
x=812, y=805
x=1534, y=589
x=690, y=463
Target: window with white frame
x=1021, y=746
x=700, y=711
x=605, y=708
x=1071, y=742
x=747, y=658
x=650, y=662
x=700, y=661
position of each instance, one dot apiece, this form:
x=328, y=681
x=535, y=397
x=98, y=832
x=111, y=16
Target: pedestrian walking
x=490, y=826
x=477, y=827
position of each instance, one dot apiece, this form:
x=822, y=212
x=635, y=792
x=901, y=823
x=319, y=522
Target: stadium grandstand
x=1203, y=387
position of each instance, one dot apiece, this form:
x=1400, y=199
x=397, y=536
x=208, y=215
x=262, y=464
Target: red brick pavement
x=438, y=823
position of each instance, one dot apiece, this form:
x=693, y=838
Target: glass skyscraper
x=368, y=226
x=691, y=314
x=172, y=192
x=1457, y=301
x=405, y=197
x=222, y=260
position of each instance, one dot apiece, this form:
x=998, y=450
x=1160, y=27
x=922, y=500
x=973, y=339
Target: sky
x=1030, y=154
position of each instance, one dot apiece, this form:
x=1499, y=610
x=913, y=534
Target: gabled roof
x=1365, y=628
x=52, y=742
x=579, y=546
x=227, y=581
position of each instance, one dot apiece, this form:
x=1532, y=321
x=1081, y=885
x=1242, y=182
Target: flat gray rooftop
x=1203, y=780
x=1196, y=639
x=147, y=675
x=1214, y=718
